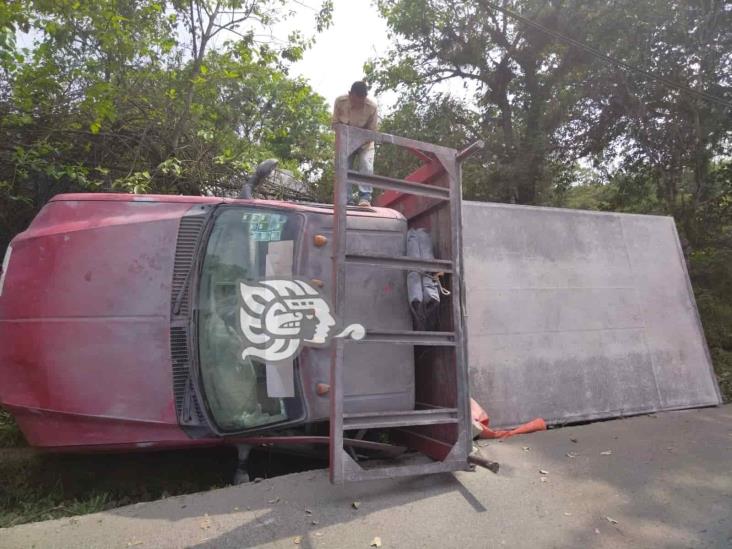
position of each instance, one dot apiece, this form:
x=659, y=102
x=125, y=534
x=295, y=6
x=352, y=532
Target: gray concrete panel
x=576, y=315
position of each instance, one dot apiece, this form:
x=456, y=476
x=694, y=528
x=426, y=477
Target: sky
x=337, y=58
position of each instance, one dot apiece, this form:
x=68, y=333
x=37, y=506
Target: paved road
x=651, y=481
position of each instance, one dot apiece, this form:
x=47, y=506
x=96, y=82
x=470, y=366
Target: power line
x=609, y=59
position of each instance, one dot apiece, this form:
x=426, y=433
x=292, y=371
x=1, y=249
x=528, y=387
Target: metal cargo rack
x=439, y=427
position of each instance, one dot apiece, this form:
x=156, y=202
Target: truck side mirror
x=264, y=169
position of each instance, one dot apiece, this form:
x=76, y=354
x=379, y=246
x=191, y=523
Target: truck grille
x=185, y=251
x=186, y=403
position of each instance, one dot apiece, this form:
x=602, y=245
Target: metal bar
x=297, y=440
x=419, y=154
x=458, y=308
x=470, y=150
x=356, y=472
x=359, y=136
x=406, y=263
x=340, y=199
x=411, y=418
x=400, y=185
x=407, y=337
x=476, y=459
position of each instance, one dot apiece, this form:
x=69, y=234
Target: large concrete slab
x=576, y=315
x=647, y=482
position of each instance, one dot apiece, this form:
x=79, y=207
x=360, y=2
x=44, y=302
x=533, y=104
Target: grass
x=36, y=486
x=45, y=486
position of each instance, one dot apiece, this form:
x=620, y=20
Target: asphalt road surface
x=663, y=480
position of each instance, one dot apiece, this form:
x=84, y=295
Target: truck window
x=244, y=244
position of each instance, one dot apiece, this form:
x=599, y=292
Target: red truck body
x=85, y=321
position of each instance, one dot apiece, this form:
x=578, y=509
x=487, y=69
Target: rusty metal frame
x=455, y=457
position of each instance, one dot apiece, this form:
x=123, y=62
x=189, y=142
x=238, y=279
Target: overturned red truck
x=121, y=317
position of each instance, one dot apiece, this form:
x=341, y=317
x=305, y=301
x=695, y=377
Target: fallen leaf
x=297, y=540
x=611, y=520
x=314, y=522
x=308, y=512
x=275, y=500
x=543, y=472
x=526, y=448
x=571, y=455
x=573, y=440
x=606, y=453
x=376, y=542
x=356, y=504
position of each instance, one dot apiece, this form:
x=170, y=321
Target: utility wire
x=609, y=59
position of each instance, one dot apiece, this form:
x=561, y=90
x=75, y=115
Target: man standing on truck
x=356, y=109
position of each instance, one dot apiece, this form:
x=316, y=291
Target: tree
x=519, y=76
x=132, y=96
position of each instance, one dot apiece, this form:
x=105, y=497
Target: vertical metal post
x=458, y=301
x=340, y=199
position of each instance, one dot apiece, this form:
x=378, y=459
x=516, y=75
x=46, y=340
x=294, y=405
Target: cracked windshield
x=244, y=245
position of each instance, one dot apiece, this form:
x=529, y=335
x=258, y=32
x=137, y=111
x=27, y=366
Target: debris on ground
x=606, y=453
x=543, y=472
x=376, y=542
x=611, y=520
x=297, y=540
x=356, y=504
x=481, y=424
x=571, y=454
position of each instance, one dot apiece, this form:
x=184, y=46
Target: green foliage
x=565, y=128
x=10, y=435
x=131, y=96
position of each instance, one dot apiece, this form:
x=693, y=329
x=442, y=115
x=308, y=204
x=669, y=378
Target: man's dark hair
x=360, y=88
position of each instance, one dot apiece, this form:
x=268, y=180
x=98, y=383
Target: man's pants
x=362, y=161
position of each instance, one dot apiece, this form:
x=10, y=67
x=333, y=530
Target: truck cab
x=119, y=320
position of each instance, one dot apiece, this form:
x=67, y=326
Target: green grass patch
x=35, y=486
x=10, y=435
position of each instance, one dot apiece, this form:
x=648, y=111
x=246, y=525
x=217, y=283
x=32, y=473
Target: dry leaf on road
x=376, y=542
